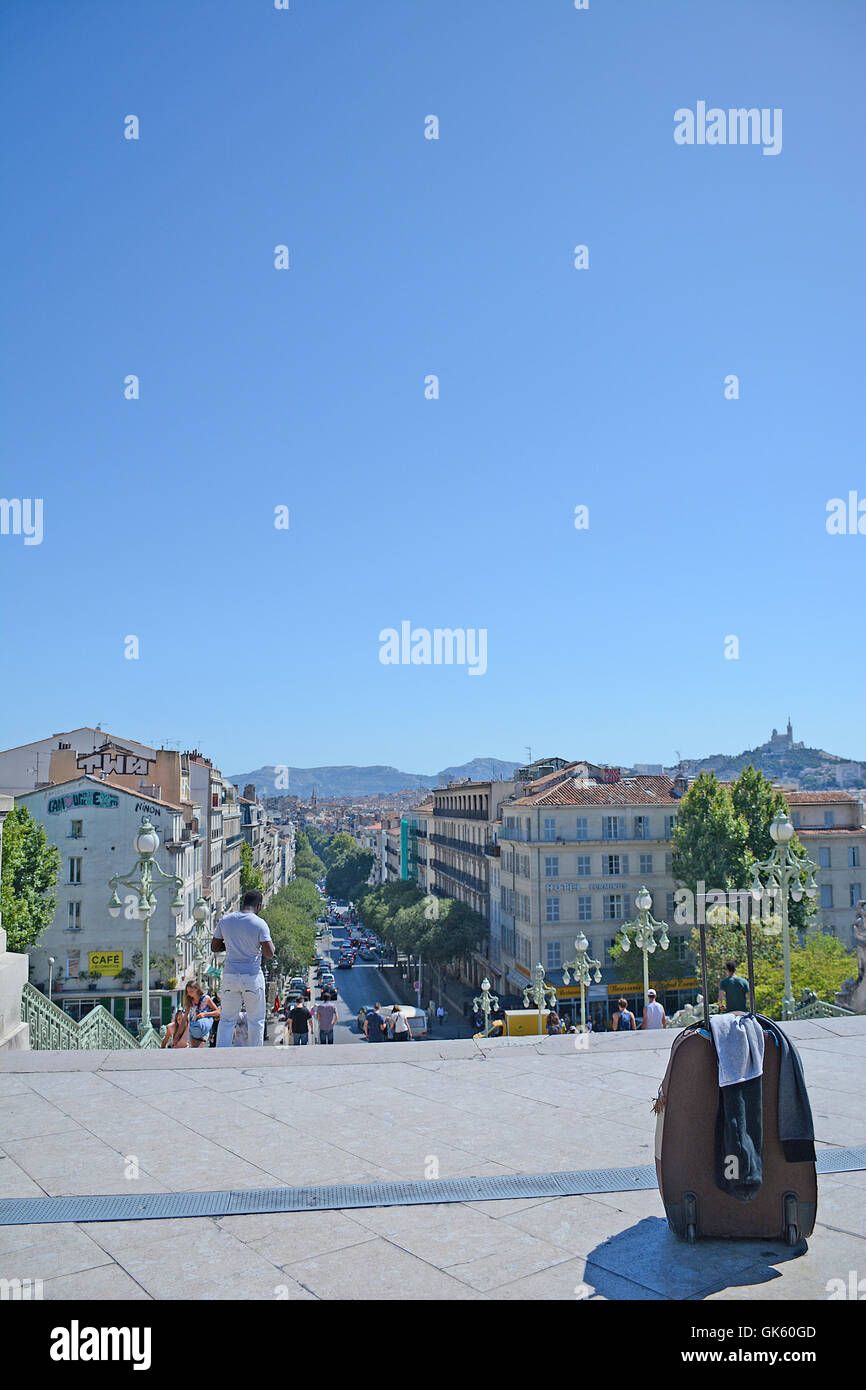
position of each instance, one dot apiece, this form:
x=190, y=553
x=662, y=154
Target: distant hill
x=812, y=769
x=352, y=781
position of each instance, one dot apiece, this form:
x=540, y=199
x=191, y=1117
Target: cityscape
x=430, y=548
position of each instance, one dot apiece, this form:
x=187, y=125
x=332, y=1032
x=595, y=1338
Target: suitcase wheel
x=690, y=1233
x=791, y=1209
x=792, y=1235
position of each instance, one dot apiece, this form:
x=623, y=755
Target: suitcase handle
x=703, y=934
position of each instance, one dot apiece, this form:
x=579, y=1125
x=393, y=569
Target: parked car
x=297, y=985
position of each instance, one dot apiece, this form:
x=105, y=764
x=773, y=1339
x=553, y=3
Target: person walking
x=201, y=1012
x=623, y=1019
x=326, y=1017
x=399, y=1025
x=733, y=991
x=654, y=1015
x=177, y=1032
x=245, y=938
x=375, y=1026
x=301, y=1024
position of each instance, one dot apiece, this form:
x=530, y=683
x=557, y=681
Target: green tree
x=251, y=877
x=307, y=864
x=821, y=964
x=710, y=841
x=291, y=916
x=348, y=874
x=757, y=801
x=29, y=873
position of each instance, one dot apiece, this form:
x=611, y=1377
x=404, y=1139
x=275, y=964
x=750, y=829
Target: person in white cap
x=654, y=1015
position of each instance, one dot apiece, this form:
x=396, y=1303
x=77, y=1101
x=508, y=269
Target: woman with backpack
x=623, y=1020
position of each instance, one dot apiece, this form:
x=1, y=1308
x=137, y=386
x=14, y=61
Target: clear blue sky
x=411, y=256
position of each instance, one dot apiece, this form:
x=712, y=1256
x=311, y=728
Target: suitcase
x=785, y=1206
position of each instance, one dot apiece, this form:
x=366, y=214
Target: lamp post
x=584, y=969
x=51, y=964
x=645, y=927
x=198, y=936
x=780, y=875
x=537, y=992
x=146, y=843
x=486, y=1003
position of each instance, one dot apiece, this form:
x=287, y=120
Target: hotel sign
x=552, y=885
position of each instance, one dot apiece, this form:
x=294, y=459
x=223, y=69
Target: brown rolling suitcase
x=785, y=1206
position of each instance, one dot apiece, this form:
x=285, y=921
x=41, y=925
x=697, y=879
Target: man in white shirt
x=245, y=938
x=654, y=1015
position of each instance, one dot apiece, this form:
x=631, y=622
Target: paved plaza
x=113, y=1122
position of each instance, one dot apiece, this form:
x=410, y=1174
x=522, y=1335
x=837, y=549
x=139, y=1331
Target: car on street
x=328, y=990
x=345, y=962
x=297, y=985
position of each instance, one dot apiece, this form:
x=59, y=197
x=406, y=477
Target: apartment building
x=575, y=848
x=415, y=848
x=93, y=823
x=461, y=840
x=831, y=828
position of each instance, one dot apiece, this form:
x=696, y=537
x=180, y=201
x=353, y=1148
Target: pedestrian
x=375, y=1026
x=440, y=1014
x=623, y=1019
x=200, y=1011
x=245, y=938
x=733, y=991
x=326, y=1014
x=654, y=1015
x=399, y=1025
x=242, y=1031
x=301, y=1023
x=177, y=1032
x=214, y=1032
x=553, y=1024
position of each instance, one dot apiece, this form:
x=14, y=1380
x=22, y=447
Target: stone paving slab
x=240, y=1118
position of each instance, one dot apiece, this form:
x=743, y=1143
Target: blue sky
x=558, y=387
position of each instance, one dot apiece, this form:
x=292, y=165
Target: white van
x=416, y=1018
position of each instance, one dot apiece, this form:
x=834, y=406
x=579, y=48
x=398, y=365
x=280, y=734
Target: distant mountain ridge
x=812, y=769
x=379, y=779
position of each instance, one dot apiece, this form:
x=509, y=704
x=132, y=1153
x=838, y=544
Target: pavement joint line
x=17, y=1211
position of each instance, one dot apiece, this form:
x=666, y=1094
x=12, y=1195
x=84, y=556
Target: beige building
x=830, y=825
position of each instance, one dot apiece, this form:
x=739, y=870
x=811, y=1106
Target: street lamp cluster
x=781, y=875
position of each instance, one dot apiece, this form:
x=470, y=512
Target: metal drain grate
x=156, y=1206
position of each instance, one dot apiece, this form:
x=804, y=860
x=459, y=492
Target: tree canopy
x=29, y=873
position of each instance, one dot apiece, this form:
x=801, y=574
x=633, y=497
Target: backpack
x=626, y=1027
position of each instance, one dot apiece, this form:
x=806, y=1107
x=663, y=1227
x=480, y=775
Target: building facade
x=830, y=826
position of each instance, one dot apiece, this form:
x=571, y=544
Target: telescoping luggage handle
x=750, y=965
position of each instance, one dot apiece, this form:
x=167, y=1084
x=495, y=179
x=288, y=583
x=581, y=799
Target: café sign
x=105, y=962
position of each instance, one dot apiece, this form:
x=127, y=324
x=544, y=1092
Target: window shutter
x=625, y=863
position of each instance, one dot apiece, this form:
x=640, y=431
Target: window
x=854, y=857
x=77, y=829
x=584, y=863
x=549, y=828
x=612, y=907
x=552, y=910
x=74, y=871
x=611, y=864
x=824, y=858
x=669, y=861
x=646, y=863
x=679, y=948
x=73, y=916
x=670, y=823
x=641, y=827
x=826, y=895
x=584, y=907
x=73, y=964
x=854, y=894
x=829, y=818
x=581, y=832
x=551, y=866
x=554, y=955
x=610, y=827
x=670, y=905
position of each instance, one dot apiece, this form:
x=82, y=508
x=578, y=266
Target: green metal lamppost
x=584, y=969
x=199, y=935
x=146, y=844
x=486, y=1003
x=645, y=927
x=780, y=875
x=537, y=992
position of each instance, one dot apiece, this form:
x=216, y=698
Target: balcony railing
x=476, y=884
x=465, y=846
x=455, y=813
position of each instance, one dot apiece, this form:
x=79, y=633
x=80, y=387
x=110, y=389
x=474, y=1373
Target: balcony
x=492, y=851
x=457, y=814
x=464, y=846
x=469, y=880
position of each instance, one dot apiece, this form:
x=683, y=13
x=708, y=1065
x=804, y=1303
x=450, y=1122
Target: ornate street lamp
x=486, y=1003
x=51, y=964
x=645, y=927
x=199, y=935
x=537, y=992
x=146, y=844
x=780, y=875
x=584, y=969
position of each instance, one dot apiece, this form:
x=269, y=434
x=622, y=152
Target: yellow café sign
x=105, y=962
x=636, y=987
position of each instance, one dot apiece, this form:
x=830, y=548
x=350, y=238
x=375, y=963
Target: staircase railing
x=51, y=1028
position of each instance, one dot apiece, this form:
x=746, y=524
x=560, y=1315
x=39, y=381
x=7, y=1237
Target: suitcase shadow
x=650, y=1256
